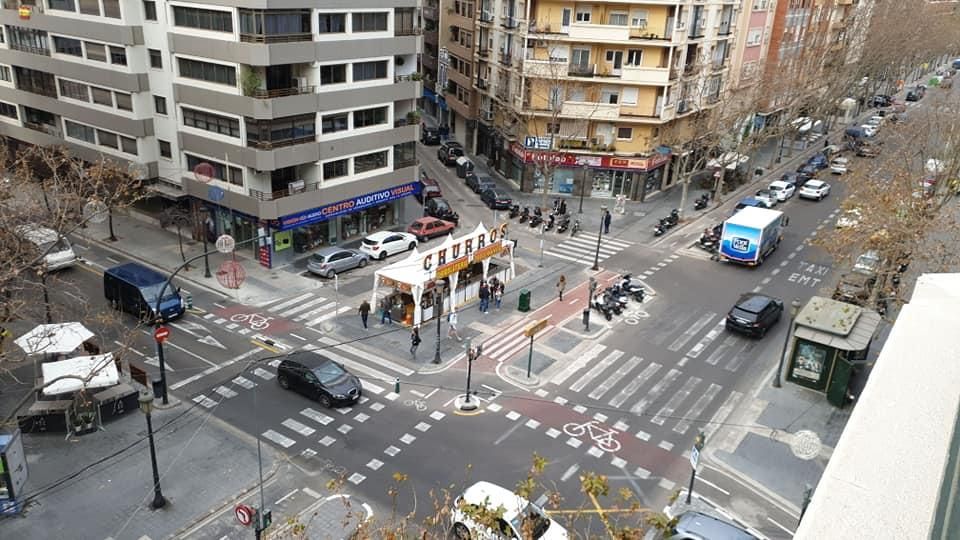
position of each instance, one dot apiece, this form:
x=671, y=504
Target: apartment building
x=458, y=36
x=292, y=127
x=433, y=102
x=600, y=89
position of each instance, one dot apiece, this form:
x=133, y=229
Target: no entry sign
x=244, y=514
x=161, y=334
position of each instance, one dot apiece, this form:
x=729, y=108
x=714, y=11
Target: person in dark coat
x=607, y=218
x=484, y=296
x=364, y=312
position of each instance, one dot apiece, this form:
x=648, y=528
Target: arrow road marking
x=210, y=340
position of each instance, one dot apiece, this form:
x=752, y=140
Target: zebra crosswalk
x=309, y=309
x=583, y=248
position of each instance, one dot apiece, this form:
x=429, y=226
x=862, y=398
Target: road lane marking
x=302, y=429
x=332, y=314
x=197, y=356
x=314, y=312
x=578, y=364
x=287, y=496
x=614, y=378
x=300, y=307
x=722, y=413
x=655, y=392
x=786, y=530
x=290, y=302
x=597, y=369
x=571, y=470
x=711, y=335
x=714, y=486
x=694, y=413
x=694, y=329
x=636, y=383
x=382, y=362
x=671, y=406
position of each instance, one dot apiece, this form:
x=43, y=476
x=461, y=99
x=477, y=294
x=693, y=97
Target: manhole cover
x=806, y=444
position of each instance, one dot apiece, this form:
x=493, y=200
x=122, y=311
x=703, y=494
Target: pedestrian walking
x=607, y=218
x=561, y=285
x=452, y=326
x=364, y=312
x=484, y=295
x=385, y=312
x=498, y=295
x=414, y=341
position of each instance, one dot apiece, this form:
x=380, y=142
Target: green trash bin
x=524, y=304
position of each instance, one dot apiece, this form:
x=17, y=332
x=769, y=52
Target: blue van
x=956, y=64
x=132, y=287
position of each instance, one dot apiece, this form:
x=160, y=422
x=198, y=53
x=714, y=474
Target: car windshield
x=328, y=372
x=369, y=242
x=441, y=205
x=150, y=293
x=418, y=225
x=319, y=258
x=530, y=521
x=744, y=314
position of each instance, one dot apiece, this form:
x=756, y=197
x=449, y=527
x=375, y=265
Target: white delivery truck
x=751, y=234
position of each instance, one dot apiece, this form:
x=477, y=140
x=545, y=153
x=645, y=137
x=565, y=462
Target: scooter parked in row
x=563, y=223
x=702, y=202
x=599, y=303
x=514, y=211
x=710, y=239
x=537, y=218
x=525, y=214
x=632, y=289
x=576, y=228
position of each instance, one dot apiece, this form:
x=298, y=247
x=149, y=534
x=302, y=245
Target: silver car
x=333, y=260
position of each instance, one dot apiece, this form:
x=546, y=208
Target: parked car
x=881, y=100
x=870, y=131
x=808, y=170
x=479, y=184
x=754, y=314
x=839, y=165
x=133, y=287
x=767, y=197
x=853, y=288
x=850, y=218
x=518, y=517
x=814, y=189
x=382, y=244
x=782, y=190
x=449, y=152
x=867, y=149
x=439, y=208
x=916, y=93
x=319, y=378
x=819, y=160
x=426, y=228
x=429, y=187
x=877, y=119
x=692, y=525
x=795, y=179
x=749, y=201
x=329, y=261
x=496, y=199
x=56, y=249
x=430, y=136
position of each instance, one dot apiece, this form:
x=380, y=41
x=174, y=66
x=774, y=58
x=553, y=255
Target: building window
x=160, y=105
x=149, y=10
x=754, y=36
x=165, y=149
x=118, y=56
x=203, y=19
x=272, y=26
x=553, y=128
x=128, y=145
x=74, y=90
x=335, y=169
x=9, y=110
x=28, y=40
x=156, y=58
x=333, y=74
x=90, y=7
x=611, y=97
x=370, y=22
x=625, y=133
x=80, y=132
x=282, y=131
x=124, y=101
x=618, y=18
x=111, y=8
x=369, y=162
x=369, y=117
x=333, y=123
x=62, y=5
x=365, y=71
x=102, y=96
x=634, y=57
x=233, y=175
x=96, y=51
x=5, y=74
x=333, y=23
x=638, y=18
x=65, y=45
x=213, y=123
x=583, y=15
x=207, y=71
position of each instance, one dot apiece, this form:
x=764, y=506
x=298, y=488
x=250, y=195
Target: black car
x=881, y=100
x=439, y=208
x=916, y=93
x=795, y=178
x=754, y=314
x=449, y=152
x=496, y=200
x=430, y=136
x=479, y=184
x=319, y=378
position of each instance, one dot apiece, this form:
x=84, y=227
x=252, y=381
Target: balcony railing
x=509, y=22
x=30, y=49
x=263, y=93
x=643, y=32
x=53, y=131
x=483, y=52
x=581, y=70
x=505, y=58
x=408, y=77
x=725, y=28
x=486, y=16
x=272, y=196
x=481, y=84
x=407, y=30
x=268, y=145
x=275, y=38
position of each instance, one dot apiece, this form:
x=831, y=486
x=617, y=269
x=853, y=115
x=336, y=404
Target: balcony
x=599, y=32
x=506, y=58
x=509, y=22
x=275, y=26
x=30, y=48
x=645, y=75
x=590, y=109
x=683, y=106
x=545, y=68
x=483, y=52
x=486, y=16
x=430, y=13
x=49, y=129
x=642, y=32
x=290, y=131
x=279, y=194
x=263, y=93
x=582, y=70
x=407, y=30
x=481, y=84
x=725, y=29
x=275, y=38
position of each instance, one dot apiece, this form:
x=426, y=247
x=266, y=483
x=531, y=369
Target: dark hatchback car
x=440, y=209
x=319, y=378
x=479, y=184
x=795, y=178
x=496, y=200
x=881, y=100
x=819, y=160
x=430, y=136
x=449, y=152
x=754, y=314
x=916, y=93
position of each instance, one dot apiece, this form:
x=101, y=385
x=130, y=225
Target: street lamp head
x=795, y=307
x=146, y=402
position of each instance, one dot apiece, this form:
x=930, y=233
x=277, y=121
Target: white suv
x=381, y=245
x=488, y=511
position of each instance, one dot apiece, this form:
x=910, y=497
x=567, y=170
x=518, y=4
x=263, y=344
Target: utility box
x=524, y=304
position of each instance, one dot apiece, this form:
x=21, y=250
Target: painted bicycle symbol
x=256, y=321
x=604, y=438
x=418, y=404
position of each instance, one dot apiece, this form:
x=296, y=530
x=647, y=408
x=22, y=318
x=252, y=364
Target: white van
x=59, y=252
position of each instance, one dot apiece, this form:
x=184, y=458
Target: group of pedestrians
x=494, y=288
x=385, y=308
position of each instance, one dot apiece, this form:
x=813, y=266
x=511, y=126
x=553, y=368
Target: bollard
x=396, y=385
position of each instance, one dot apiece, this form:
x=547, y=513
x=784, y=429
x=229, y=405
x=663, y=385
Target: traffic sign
x=161, y=334
x=535, y=327
x=694, y=457
x=244, y=514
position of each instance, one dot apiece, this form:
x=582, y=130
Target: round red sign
x=161, y=333
x=244, y=514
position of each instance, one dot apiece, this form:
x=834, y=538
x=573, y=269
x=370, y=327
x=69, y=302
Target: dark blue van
x=956, y=64
x=132, y=287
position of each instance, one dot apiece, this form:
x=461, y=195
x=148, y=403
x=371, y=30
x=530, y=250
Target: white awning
x=101, y=370
x=54, y=338
x=731, y=160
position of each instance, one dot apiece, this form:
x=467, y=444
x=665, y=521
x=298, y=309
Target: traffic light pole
x=698, y=444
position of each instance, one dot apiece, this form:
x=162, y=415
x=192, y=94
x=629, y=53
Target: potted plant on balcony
x=250, y=81
x=413, y=117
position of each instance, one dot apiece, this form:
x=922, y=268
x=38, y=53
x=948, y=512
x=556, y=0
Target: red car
x=426, y=228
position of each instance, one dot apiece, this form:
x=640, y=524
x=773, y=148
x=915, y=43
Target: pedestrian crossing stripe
x=292, y=301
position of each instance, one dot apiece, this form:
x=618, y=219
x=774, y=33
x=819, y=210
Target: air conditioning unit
x=302, y=82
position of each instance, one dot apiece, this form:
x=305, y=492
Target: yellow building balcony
x=645, y=75
x=591, y=110
x=599, y=32
x=545, y=68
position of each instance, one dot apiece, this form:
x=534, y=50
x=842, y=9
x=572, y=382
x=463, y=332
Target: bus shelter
x=457, y=266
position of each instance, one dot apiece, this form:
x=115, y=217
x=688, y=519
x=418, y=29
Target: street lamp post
x=794, y=309
x=596, y=256
x=204, y=213
x=583, y=187
x=438, y=308
x=146, y=405
x=472, y=354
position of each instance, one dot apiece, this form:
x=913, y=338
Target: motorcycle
x=612, y=303
x=525, y=215
x=701, y=202
x=537, y=218
x=637, y=291
x=563, y=223
x=709, y=240
x=618, y=296
x=659, y=229
x=550, y=222
x=598, y=304
x=672, y=219
x=514, y=211
x=576, y=228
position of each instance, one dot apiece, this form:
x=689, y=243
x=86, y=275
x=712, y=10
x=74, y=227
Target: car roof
x=308, y=358
x=493, y=496
x=323, y=252
x=754, y=302
x=452, y=143
x=427, y=219
x=380, y=235
x=709, y=527
x=815, y=183
x=780, y=184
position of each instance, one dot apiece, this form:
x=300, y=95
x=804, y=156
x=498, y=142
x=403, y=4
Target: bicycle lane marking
x=274, y=325
x=632, y=449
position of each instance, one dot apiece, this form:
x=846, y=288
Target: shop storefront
x=452, y=271
x=295, y=234
x=606, y=176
